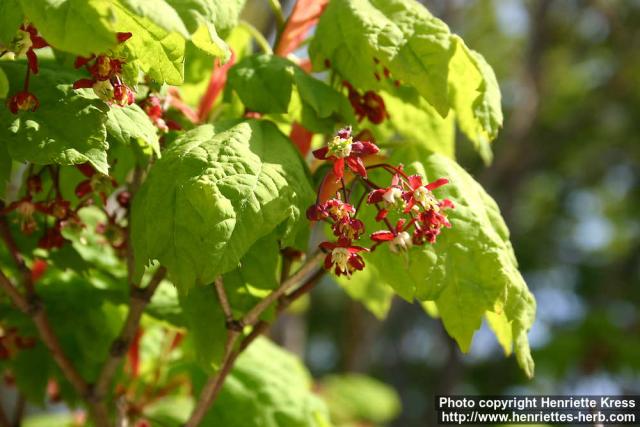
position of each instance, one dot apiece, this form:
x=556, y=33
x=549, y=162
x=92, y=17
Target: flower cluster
x=55, y=214
x=420, y=215
x=106, y=77
x=24, y=43
x=342, y=149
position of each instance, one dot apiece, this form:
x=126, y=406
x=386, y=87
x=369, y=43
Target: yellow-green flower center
x=340, y=257
x=340, y=147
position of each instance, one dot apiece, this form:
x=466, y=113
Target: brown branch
x=133, y=188
x=139, y=299
x=286, y=300
x=213, y=386
x=4, y=421
x=34, y=308
x=298, y=277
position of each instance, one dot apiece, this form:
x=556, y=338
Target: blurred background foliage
x=566, y=175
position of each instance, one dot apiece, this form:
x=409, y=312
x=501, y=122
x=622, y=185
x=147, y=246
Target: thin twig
x=139, y=299
x=224, y=301
x=307, y=268
x=214, y=384
x=286, y=300
x=133, y=188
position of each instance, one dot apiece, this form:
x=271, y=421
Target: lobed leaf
x=213, y=195
x=360, y=39
x=471, y=269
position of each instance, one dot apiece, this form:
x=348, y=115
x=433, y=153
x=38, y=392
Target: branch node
x=140, y=294
x=34, y=305
x=91, y=395
x=119, y=347
x=235, y=325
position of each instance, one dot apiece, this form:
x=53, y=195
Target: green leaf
x=268, y=387
x=471, y=269
x=49, y=420
x=204, y=22
x=10, y=20
x=263, y=82
x=476, y=97
x=213, y=195
x=5, y=169
x=259, y=267
x=358, y=399
x=4, y=85
x=157, y=51
x=206, y=324
x=368, y=288
x=208, y=21
x=414, y=121
x=66, y=129
x=81, y=27
x=400, y=34
x=266, y=83
x=132, y=123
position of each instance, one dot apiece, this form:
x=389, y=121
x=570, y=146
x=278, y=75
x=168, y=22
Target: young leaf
x=212, y=196
x=471, y=269
x=66, y=129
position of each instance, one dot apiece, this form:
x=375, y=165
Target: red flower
x=343, y=257
x=23, y=101
x=28, y=40
x=350, y=228
x=390, y=197
x=421, y=194
x=335, y=209
x=399, y=239
x=343, y=149
x=52, y=238
x=106, y=80
x=430, y=223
